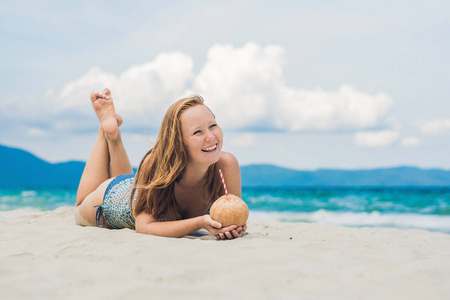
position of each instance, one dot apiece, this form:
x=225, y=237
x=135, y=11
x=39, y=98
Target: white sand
x=44, y=255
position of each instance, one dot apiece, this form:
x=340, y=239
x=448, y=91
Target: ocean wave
x=361, y=219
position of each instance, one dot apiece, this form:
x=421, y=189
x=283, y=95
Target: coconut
x=229, y=210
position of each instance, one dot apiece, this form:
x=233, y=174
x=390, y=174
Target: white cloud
x=75, y=94
x=245, y=87
x=142, y=90
x=382, y=138
x=434, y=127
x=239, y=83
x=319, y=110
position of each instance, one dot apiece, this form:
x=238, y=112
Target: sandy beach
x=44, y=255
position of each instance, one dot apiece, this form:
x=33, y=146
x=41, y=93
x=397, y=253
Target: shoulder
x=229, y=164
x=145, y=160
x=227, y=160
x=231, y=172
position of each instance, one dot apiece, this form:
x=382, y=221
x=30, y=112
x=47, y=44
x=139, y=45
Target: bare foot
x=104, y=108
x=119, y=120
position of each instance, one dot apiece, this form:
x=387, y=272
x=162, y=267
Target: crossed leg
x=108, y=160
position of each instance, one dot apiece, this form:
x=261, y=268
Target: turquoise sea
x=403, y=207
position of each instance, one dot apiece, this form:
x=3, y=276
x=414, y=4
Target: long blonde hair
x=164, y=164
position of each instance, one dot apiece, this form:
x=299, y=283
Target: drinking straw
x=223, y=182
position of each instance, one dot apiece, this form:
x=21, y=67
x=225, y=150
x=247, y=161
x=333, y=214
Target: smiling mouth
x=210, y=149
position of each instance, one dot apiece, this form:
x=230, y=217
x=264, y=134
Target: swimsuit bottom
x=116, y=203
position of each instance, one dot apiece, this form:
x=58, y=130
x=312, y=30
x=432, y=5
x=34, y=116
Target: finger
x=229, y=228
x=229, y=235
x=212, y=223
x=235, y=234
x=216, y=224
x=221, y=236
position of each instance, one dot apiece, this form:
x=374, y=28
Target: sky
x=300, y=84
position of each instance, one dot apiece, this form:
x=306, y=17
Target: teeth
x=210, y=148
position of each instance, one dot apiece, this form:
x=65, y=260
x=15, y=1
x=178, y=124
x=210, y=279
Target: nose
x=209, y=136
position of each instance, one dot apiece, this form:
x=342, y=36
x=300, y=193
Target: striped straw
x=223, y=182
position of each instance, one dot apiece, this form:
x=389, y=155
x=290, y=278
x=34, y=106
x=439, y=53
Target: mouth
x=210, y=149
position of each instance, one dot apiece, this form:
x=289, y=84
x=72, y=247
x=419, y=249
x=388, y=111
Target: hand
x=214, y=227
x=236, y=233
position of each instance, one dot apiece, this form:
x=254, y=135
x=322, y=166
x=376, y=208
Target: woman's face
x=202, y=135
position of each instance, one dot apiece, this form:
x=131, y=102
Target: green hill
x=21, y=169
x=269, y=175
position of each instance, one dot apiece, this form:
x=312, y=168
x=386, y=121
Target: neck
x=193, y=175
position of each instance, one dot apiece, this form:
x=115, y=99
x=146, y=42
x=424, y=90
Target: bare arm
x=146, y=223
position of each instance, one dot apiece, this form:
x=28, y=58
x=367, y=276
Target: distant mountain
x=21, y=169
x=269, y=175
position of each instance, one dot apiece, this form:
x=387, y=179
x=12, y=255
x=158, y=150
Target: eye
x=197, y=132
x=213, y=125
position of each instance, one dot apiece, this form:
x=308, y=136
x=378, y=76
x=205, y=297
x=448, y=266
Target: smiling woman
x=201, y=131
x=177, y=180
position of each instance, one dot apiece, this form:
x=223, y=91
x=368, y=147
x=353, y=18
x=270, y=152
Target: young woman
x=177, y=180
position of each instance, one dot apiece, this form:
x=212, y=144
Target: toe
x=107, y=92
x=93, y=97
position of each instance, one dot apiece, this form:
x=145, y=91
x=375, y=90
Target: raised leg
x=118, y=157
x=119, y=161
x=108, y=159
x=96, y=170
